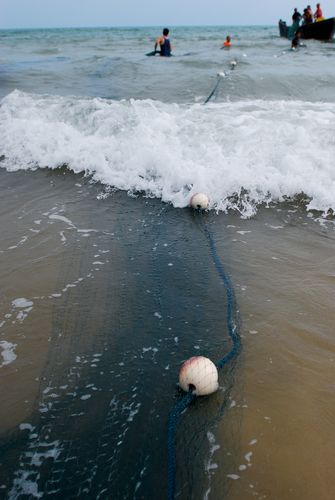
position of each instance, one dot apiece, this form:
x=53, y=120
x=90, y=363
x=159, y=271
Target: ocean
x=109, y=279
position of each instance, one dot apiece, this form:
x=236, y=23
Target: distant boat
x=322, y=30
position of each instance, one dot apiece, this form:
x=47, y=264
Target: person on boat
x=296, y=40
x=318, y=16
x=296, y=16
x=307, y=16
x=164, y=43
x=226, y=43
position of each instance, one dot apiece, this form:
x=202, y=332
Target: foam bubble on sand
x=62, y=236
x=22, y=303
x=231, y=150
x=25, y=483
x=24, y=306
x=26, y=426
x=7, y=352
x=210, y=465
x=21, y=242
x=62, y=219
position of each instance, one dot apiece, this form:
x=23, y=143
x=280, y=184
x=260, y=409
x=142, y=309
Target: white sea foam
x=7, y=353
x=62, y=219
x=22, y=303
x=267, y=149
x=211, y=466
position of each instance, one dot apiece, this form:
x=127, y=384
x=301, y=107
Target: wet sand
x=123, y=290
x=284, y=278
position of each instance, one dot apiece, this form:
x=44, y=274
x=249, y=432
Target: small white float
x=200, y=375
x=199, y=201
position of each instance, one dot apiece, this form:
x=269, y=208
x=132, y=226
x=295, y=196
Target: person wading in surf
x=164, y=43
x=296, y=41
x=226, y=43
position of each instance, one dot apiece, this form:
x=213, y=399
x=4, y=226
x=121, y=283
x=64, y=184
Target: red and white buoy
x=200, y=375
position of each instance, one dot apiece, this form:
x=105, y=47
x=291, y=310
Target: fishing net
x=100, y=423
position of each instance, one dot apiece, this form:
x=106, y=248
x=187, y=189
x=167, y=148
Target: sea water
x=107, y=279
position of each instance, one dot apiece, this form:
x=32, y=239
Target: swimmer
x=227, y=43
x=164, y=44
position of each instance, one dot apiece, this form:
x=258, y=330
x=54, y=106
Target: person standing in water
x=296, y=41
x=164, y=44
x=226, y=43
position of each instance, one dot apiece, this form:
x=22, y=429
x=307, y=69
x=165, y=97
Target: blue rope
x=214, y=89
x=181, y=406
x=231, y=305
x=174, y=418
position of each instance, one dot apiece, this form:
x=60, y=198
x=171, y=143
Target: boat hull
x=322, y=30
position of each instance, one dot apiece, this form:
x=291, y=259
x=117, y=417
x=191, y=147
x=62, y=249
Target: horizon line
x=135, y=26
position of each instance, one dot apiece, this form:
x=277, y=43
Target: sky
x=87, y=13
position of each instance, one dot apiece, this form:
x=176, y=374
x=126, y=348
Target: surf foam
x=7, y=352
x=240, y=154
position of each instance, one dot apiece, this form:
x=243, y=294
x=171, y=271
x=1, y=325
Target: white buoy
x=199, y=201
x=233, y=64
x=200, y=375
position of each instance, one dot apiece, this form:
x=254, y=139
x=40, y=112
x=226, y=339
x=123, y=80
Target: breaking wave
x=241, y=154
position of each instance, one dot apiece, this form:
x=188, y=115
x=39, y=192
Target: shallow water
x=111, y=63
x=285, y=289
x=108, y=282
x=110, y=325
x=124, y=290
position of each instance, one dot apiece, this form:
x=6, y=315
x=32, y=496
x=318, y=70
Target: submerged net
x=99, y=428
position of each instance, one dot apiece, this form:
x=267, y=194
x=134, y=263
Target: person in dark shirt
x=296, y=16
x=164, y=43
x=296, y=40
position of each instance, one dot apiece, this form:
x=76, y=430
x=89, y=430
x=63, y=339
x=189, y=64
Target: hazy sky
x=63, y=13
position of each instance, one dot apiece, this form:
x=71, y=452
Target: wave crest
x=240, y=154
